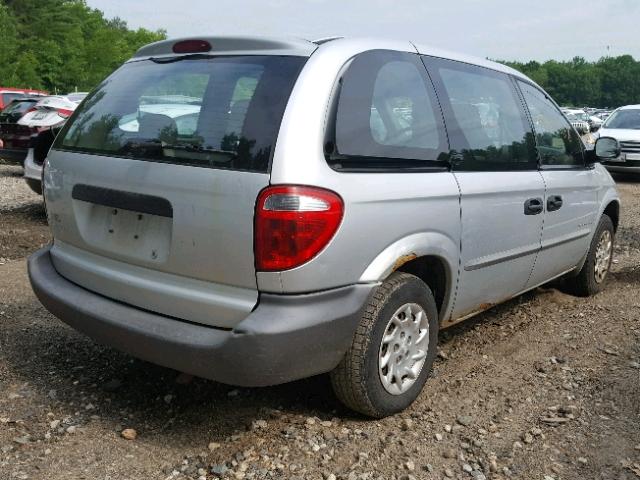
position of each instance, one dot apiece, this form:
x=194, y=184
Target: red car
x=8, y=94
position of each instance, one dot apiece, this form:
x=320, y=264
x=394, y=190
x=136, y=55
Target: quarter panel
x=380, y=208
x=382, y=211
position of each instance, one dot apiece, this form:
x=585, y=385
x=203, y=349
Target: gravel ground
x=23, y=223
x=546, y=386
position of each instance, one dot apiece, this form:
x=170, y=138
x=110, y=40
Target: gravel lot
x=546, y=386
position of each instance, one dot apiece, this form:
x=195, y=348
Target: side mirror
x=607, y=148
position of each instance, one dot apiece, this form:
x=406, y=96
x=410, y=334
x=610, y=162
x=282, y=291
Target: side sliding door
x=502, y=192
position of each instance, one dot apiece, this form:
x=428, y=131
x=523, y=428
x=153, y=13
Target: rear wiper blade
x=192, y=56
x=157, y=149
x=144, y=144
x=199, y=149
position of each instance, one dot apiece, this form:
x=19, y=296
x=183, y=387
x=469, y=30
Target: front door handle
x=554, y=202
x=533, y=206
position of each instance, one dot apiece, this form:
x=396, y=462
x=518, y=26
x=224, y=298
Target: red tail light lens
x=293, y=224
x=64, y=113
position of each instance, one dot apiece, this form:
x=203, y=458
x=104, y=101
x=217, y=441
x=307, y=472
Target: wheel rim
x=403, y=350
x=603, y=256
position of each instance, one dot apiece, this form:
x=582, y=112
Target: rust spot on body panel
x=471, y=313
x=403, y=259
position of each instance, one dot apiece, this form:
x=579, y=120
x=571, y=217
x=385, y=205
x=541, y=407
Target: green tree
x=8, y=46
x=61, y=45
x=609, y=82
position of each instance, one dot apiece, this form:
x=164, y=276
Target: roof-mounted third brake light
x=192, y=46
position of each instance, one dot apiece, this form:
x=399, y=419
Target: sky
x=497, y=29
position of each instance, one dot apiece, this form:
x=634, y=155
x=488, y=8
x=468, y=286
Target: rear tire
x=393, y=349
x=593, y=275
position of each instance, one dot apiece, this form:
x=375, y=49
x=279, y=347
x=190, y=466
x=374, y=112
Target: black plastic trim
x=136, y=202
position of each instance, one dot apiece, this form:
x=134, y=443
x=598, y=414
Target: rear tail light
x=293, y=224
x=64, y=113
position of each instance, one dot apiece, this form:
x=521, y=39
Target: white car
x=185, y=116
x=595, y=122
x=47, y=118
x=624, y=126
x=49, y=112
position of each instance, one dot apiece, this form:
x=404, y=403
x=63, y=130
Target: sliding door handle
x=533, y=206
x=554, y=202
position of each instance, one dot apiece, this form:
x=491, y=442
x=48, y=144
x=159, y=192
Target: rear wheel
x=393, y=350
x=591, y=278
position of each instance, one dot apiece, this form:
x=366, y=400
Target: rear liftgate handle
x=533, y=206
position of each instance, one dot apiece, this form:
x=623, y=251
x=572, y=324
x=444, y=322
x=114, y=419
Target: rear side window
x=558, y=143
x=486, y=121
x=219, y=112
x=386, y=115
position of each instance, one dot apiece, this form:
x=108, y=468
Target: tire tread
x=584, y=284
x=347, y=377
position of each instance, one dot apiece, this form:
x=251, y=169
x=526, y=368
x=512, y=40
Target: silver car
x=314, y=207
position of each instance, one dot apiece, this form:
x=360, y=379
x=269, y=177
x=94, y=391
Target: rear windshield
x=219, y=112
x=7, y=98
x=19, y=106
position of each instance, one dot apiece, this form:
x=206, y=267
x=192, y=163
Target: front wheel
x=591, y=278
x=393, y=349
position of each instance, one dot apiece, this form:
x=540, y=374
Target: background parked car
x=47, y=113
x=77, y=97
x=17, y=109
x=595, y=123
x=624, y=126
x=36, y=155
x=40, y=144
x=7, y=94
x=579, y=122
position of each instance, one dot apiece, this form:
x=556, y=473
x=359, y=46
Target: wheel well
x=432, y=271
x=613, y=212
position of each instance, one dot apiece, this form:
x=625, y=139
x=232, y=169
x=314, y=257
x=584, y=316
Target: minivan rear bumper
x=286, y=337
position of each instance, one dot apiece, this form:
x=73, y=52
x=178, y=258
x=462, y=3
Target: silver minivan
x=256, y=211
